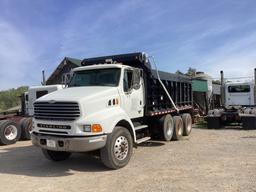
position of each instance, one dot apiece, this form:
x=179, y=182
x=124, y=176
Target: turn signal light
x=96, y=128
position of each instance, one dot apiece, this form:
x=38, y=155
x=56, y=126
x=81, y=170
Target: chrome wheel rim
x=10, y=132
x=121, y=148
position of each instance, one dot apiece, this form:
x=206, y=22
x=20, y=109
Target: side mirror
x=136, y=79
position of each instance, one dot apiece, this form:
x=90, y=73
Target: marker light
x=96, y=128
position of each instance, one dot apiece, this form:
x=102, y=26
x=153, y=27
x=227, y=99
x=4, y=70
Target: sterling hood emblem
x=52, y=101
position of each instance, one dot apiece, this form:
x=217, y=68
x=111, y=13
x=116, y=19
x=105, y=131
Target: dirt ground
x=209, y=160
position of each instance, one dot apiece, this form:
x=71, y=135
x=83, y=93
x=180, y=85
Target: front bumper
x=69, y=144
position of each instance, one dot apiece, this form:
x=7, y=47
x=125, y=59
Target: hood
x=78, y=93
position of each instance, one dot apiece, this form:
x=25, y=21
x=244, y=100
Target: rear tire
x=9, y=132
x=167, y=126
x=118, y=150
x=26, y=127
x=214, y=122
x=178, y=128
x=248, y=122
x=56, y=155
x=187, y=124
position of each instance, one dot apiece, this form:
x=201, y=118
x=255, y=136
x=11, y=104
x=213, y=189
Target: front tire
x=9, y=132
x=118, y=149
x=55, y=155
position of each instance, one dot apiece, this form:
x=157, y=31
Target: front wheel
x=118, y=149
x=56, y=155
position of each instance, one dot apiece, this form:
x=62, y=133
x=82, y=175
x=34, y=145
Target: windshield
x=96, y=77
x=239, y=89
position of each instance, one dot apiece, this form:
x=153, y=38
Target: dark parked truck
x=238, y=104
x=112, y=104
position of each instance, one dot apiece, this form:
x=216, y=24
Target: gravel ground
x=209, y=160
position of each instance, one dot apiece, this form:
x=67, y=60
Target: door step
x=143, y=140
x=140, y=127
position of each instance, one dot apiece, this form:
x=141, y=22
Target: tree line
x=11, y=97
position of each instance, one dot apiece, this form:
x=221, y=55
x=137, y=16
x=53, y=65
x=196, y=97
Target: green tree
x=191, y=72
x=11, y=98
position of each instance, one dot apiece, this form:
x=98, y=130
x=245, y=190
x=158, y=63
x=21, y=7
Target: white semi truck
x=238, y=104
x=111, y=104
x=17, y=124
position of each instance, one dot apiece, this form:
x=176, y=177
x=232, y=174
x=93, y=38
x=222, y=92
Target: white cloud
x=17, y=60
x=237, y=58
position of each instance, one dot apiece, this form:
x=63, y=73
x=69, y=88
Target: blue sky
x=206, y=35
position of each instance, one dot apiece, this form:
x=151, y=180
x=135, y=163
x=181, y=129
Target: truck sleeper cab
x=111, y=106
x=238, y=105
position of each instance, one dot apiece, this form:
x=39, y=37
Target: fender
x=109, y=118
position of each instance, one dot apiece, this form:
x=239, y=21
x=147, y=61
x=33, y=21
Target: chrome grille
x=59, y=111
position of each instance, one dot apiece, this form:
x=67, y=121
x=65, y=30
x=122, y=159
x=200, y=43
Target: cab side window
x=127, y=83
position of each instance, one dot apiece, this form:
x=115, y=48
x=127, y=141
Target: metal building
x=64, y=67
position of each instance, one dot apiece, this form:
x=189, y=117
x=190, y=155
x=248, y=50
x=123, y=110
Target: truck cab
x=113, y=85
x=96, y=100
x=36, y=92
x=238, y=100
x=239, y=93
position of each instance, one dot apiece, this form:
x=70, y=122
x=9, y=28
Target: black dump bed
x=157, y=102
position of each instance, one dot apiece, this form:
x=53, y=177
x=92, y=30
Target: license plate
x=51, y=143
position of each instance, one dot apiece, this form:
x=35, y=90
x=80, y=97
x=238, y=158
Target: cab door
x=133, y=93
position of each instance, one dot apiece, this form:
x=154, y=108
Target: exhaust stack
x=254, y=86
x=222, y=88
x=255, y=76
x=43, y=75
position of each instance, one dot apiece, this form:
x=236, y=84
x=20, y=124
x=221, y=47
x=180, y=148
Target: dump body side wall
x=179, y=88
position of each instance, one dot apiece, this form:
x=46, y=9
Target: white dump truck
x=111, y=104
x=238, y=104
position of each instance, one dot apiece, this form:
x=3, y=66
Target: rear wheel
x=118, y=149
x=26, y=127
x=9, y=132
x=187, y=124
x=167, y=126
x=178, y=128
x=56, y=155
